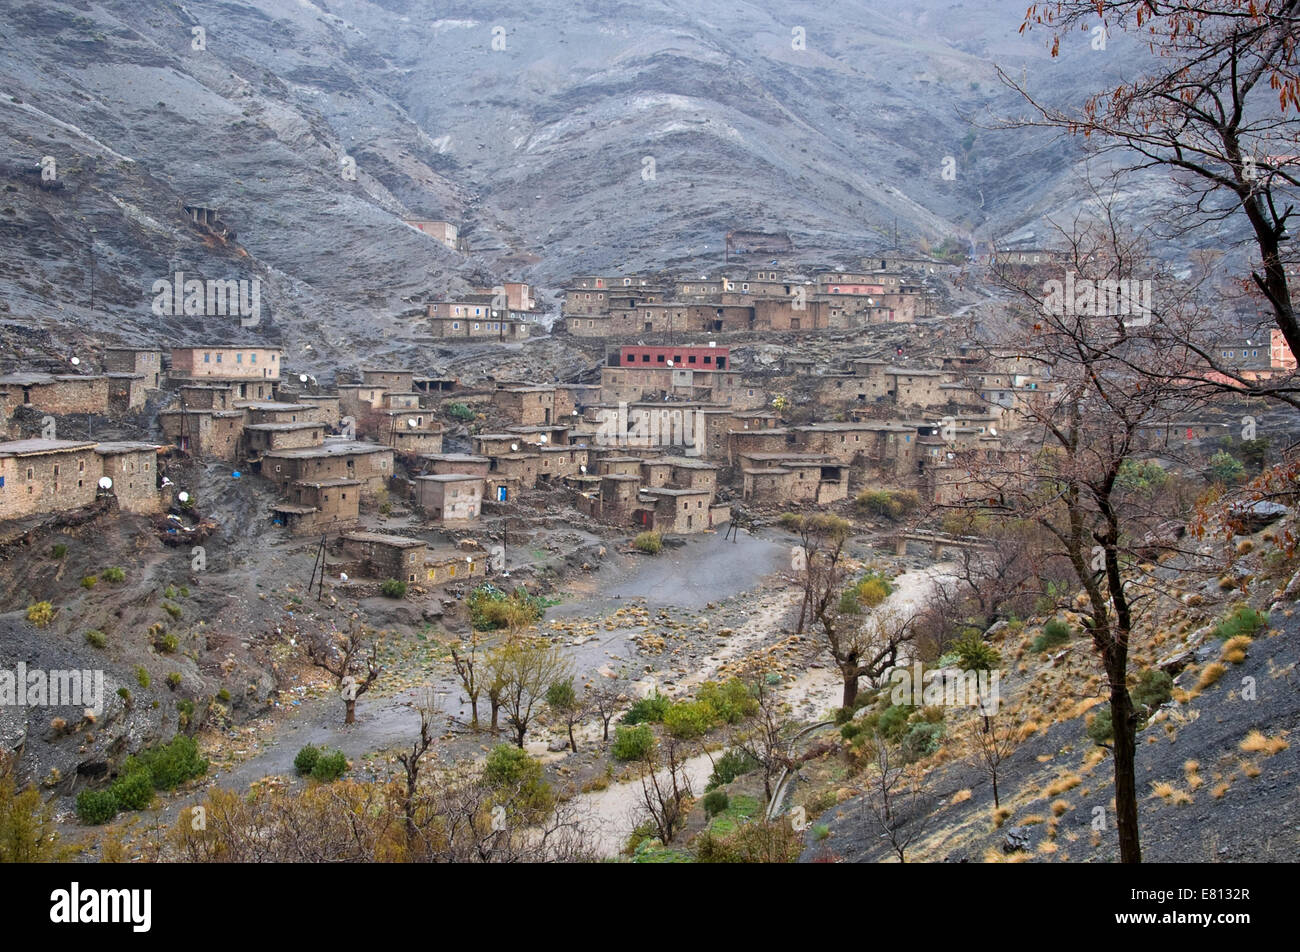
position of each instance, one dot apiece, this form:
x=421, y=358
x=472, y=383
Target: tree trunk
x=994, y=777
x=1126, y=811
x=496, y=707
x=473, y=712
x=573, y=744
x=520, y=731
x=351, y=716
x=850, y=688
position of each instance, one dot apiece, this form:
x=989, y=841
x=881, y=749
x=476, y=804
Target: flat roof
x=28, y=378
x=327, y=483
x=270, y=405
x=396, y=541
x=454, y=457
x=668, y=491
x=283, y=427
x=793, y=458
x=126, y=446
x=450, y=477
x=330, y=448
x=32, y=447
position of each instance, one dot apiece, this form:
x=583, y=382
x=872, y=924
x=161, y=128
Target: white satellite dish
x=670, y=363
x=183, y=496
x=302, y=378
x=514, y=447
x=583, y=469
x=993, y=431
x=75, y=361
x=412, y=422
x=105, y=482
x=343, y=576
x=542, y=438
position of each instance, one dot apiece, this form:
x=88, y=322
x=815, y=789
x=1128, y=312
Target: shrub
x=125, y=695
x=305, y=762
x=171, y=764
x=173, y=679
x=40, y=614
x=1154, y=688
x=89, y=582
x=223, y=696
x=393, y=588
x=460, y=411
x=921, y=740
x=141, y=676
x=1242, y=620
x=59, y=551
x=715, y=801
x=890, y=503
x=1055, y=632
x=689, y=719
x=96, y=638
x=975, y=654
x=329, y=767
x=1101, y=728
x=651, y=708
x=167, y=643
x=872, y=590
x=892, y=722
x=648, y=542
x=732, y=764
x=184, y=712
x=96, y=806
x=633, y=743
x=173, y=610
x=731, y=701
x=508, y=766
x=133, y=791
x=114, y=574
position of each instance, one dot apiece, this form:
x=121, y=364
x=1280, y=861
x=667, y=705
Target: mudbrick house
x=145, y=361
x=133, y=468
x=319, y=505
x=242, y=366
x=380, y=556
x=370, y=463
x=449, y=497
x=46, y=476
x=57, y=393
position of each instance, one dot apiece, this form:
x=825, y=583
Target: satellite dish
x=542, y=438
x=670, y=363
x=412, y=422
x=993, y=431
x=583, y=469
x=302, y=378
x=183, y=496
x=77, y=360
x=105, y=482
x=343, y=576
x=514, y=447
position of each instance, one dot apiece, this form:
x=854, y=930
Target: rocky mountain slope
x=574, y=137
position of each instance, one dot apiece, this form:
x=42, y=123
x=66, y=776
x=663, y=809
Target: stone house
x=778, y=479
x=555, y=462
x=40, y=476
x=214, y=433
x=133, y=468
x=322, y=505
x=449, y=497
x=384, y=556
x=261, y=438
x=437, y=463
x=399, y=381
x=145, y=361
x=370, y=463
x=57, y=393
x=126, y=392
x=238, y=364
x=680, y=510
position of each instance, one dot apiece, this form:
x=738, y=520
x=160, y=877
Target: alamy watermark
x=1111, y=297
x=946, y=687
x=37, y=687
x=178, y=295
x=651, y=426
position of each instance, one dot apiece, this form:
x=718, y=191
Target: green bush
x=648, y=542
x=890, y=503
x=305, y=762
x=173, y=679
x=715, y=801
x=732, y=701
x=89, y=582
x=732, y=764
x=141, y=676
x=60, y=550
x=650, y=709
x=508, y=766
x=167, y=643
x=393, y=588
x=96, y=806
x=171, y=764
x=134, y=791
x=633, y=743
x=1102, y=728
x=223, y=696
x=460, y=411
x=1055, y=632
x=113, y=573
x=173, y=610
x=921, y=740
x=329, y=767
x=892, y=722
x=689, y=719
x=1242, y=620
x=1154, y=688
x=96, y=638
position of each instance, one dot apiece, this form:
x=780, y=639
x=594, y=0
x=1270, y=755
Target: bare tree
x=666, y=789
x=988, y=742
x=572, y=707
x=470, y=671
x=605, y=700
x=766, y=736
x=895, y=797
x=1216, y=109
x=353, y=661
x=411, y=763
